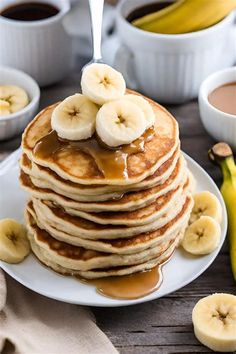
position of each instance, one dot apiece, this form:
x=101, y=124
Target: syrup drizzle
x=129, y=287
x=111, y=162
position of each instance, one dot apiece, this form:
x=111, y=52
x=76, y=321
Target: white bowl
x=220, y=125
x=16, y=122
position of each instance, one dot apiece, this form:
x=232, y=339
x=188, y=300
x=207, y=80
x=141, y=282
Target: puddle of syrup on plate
x=129, y=287
x=111, y=162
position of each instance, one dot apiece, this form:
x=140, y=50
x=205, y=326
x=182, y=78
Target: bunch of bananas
x=185, y=16
x=222, y=154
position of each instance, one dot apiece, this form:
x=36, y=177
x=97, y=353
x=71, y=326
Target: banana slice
x=14, y=245
x=4, y=108
x=15, y=97
x=120, y=122
x=214, y=321
x=206, y=203
x=202, y=236
x=145, y=106
x=74, y=118
x=101, y=83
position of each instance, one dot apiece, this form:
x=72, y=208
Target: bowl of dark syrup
x=34, y=40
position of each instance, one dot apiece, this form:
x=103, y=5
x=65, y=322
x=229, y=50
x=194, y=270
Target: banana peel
x=222, y=155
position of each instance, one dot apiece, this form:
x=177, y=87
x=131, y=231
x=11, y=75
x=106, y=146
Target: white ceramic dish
x=40, y=48
x=220, y=125
x=16, y=122
x=181, y=270
x=170, y=68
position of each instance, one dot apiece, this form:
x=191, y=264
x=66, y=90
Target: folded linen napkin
x=33, y=324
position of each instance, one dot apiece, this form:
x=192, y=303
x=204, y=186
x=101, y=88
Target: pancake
x=120, y=245
x=79, y=258
x=102, y=273
x=130, y=201
x=140, y=216
x=50, y=180
x=46, y=259
x=62, y=160
x=79, y=227
x=113, y=196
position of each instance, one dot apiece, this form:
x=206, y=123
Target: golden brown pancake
x=129, y=201
x=45, y=257
x=80, y=227
x=77, y=166
x=50, y=179
x=79, y=258
x=120, y=245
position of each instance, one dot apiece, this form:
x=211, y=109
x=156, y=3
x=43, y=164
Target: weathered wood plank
x=148, y=349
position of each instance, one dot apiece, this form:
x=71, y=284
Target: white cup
x=40, y=48
x=170, y=68
x=220, y=125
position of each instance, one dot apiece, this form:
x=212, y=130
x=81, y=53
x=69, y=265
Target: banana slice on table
x=101, y=83
x=120, y=122
x=145, y=106
x=14, y=245
x=202, y=236
x=206, y=203
x=214, y=321
x=15, y=99
x=74, y=118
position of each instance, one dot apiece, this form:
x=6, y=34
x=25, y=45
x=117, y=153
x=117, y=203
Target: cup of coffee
x=33, y=38
x=170, y=68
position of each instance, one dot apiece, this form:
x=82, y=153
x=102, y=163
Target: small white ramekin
x=220, y=125
x=15, y=123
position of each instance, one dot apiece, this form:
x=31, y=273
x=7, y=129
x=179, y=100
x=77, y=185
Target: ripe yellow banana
x=222, y=154
x=186, y=16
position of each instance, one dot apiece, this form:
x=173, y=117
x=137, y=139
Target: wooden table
x=161, y=326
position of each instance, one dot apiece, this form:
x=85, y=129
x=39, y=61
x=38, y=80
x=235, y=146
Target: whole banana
x=222, y=154
x=186, y=16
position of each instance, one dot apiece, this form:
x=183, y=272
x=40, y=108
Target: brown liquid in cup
x=29, y=11
x=146, y=10
x=224, y=98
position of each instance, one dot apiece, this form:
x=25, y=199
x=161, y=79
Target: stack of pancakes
x=82, y=222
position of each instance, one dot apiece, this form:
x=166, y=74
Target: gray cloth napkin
x=33, y=324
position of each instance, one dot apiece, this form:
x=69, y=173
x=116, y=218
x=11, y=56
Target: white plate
x=180, y=271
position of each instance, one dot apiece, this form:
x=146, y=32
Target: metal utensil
x=96, y=13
